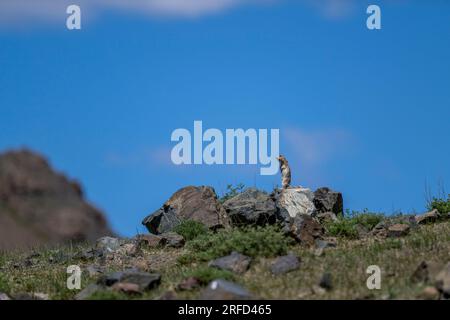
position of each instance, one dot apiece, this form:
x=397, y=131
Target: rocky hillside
x=40, y=206
x=291, y=244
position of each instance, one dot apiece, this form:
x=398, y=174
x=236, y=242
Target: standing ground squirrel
x=285, y=172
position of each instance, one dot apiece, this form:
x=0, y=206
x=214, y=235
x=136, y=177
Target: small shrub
x=344, y=227
x=191, y=229
x=207, y=274
x=254, y=242
x=232, y=192
x=347, y=226
x=441, y=205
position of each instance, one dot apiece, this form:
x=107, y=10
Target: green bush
x=254, y=242
x=441, y=205
x=191, y=229
x=207, y=274
x=347, y=226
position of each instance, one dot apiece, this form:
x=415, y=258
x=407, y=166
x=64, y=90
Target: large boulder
x=189, y=203
x=292, y=202
x=327, y=200
x=251, y=207
x=39, y=206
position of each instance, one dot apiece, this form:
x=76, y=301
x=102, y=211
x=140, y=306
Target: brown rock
x=426, y=271
x=189, y=284
x=428, y=217
x=305, y=229
x=173, y=239
x=429, y=293
x=129, y=288
x=41, y=206
x=189, y=203
x=150, y=240
x=398, y=230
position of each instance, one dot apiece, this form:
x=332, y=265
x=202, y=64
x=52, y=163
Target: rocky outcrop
x=327, y=200
x=251, y=207
x=189, y=203
x=294, y=201
x=40, y=206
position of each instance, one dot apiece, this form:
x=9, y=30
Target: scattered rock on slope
x=189, y=203
x=285, y=264
x=40, y=206
x=235, y=262
x=305, y=229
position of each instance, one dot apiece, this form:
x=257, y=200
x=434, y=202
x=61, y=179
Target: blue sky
x=363, y=112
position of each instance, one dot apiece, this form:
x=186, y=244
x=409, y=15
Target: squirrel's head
x=282, y=159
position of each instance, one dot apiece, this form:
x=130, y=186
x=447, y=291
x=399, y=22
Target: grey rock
x=327, y=200
x=325, y=217
x=324, y=244
x=172, y=239
x=251, y=207
x=380, y=230
x=144, y=280
x=429, y=217
x=305, y=229
x=293, y=202
x=398, y=230
x=285, y=264
x=225, y=290
x=189, y=203
x=4, y=297
x=235, y=262
x=94, y=270
x=108, y=244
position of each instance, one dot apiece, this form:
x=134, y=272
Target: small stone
x=285, y=264
x=235, y=262
x=326, y=281
x=126, y=287
x=224, y=290
x=93, y=270
x=398, y=230
x=429, y=293
x=325, y=217
x=150, y=240
x=380, y=230
x=429, y=217
x=173, y=239
x=4, y=297
x=324, y=244
x=189, y=284
x=108, y=244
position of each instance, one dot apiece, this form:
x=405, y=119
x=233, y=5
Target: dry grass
x=347, y=263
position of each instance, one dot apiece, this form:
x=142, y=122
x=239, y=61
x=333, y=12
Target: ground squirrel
x=285, y=172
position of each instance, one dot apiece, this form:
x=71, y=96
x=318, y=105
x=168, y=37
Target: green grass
x=206, y=274
x=254, y=242
x=191, y=229
x=347, y=226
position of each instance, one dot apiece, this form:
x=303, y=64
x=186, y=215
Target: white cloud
x=21, y=11
x=315, y=148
